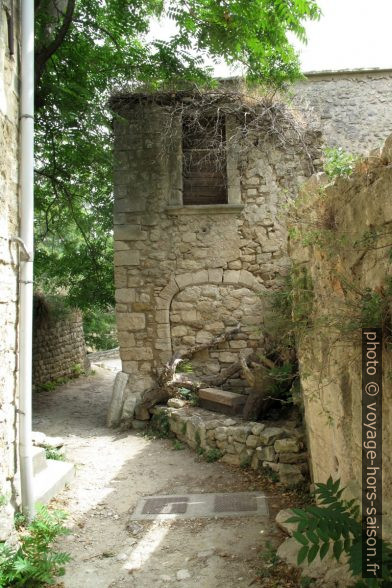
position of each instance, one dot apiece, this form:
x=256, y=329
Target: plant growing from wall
x=273, y=376
x=334, y=526
x=338, y=163
x=160, y=425
x=35, y=563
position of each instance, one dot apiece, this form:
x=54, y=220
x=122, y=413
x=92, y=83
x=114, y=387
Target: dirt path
x=114, y=469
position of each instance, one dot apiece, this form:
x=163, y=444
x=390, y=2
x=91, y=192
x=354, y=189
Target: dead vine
x=228, y=119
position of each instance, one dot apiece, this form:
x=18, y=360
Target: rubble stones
x=236, y=440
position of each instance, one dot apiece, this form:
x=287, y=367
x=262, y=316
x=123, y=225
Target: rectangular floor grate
x=193, y=506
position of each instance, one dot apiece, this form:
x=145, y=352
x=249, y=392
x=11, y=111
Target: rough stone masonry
x=9, y=264
x=185, y=273
x=59, y=350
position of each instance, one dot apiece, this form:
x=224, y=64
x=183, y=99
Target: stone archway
x=216, y=277
x=200, y=313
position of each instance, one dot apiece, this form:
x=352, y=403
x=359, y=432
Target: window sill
x=204, y=209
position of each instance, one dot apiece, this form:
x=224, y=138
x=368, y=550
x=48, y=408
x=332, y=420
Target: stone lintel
x=204, y=209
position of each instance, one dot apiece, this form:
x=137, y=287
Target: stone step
x=39, y=459
x=51, y=480
x=222, y=401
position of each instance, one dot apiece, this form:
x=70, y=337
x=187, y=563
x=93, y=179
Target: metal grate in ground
x=193, y=506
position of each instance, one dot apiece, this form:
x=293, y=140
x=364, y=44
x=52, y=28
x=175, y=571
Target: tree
x=87, y=48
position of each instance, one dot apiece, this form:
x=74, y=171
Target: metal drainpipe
x=26, y=259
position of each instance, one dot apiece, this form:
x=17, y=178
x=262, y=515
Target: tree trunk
x=169, y=380
x=260, y=380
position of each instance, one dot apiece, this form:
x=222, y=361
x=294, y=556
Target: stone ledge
x=205, y=209
x=240, y=442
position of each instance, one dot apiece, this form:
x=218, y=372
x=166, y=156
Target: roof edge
x=357, y=71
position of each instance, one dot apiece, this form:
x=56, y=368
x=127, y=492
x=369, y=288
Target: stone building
x=198, y=244
x=9, y=178
x=354, y=107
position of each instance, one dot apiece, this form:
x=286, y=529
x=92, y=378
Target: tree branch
x=45, y=53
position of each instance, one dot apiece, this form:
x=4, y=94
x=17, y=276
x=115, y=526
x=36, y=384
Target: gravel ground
x=114, y=469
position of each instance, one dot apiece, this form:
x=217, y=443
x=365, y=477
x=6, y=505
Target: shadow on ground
x=114, y=469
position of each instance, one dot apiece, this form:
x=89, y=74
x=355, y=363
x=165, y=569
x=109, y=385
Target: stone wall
x=277, y=448
x=186, y=273
x=9, y=227
x=59, y=350
x=344, y=245
x=355, y=107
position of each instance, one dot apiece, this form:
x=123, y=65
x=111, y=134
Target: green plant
x=52, y=384
x=3, y=500
x=290, y=308
x=373, y=308
x=160, y=425
x=271, y=474
x=212, y=455
x=54, y=453
x=189, y=395
x=77, y=370
x=338, y=162
x=19, y=520
x=183, y=428
x=185, y=367
x=177, y=445
x=99, y=327
x=269, y=560
x=335, y=525
x=34, y=563
x=48, y=386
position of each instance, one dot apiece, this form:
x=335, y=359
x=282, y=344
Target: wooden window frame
x=203, y=182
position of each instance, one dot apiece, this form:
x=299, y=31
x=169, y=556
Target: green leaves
x=35, y=563
x=338, y=162
x=335, y=527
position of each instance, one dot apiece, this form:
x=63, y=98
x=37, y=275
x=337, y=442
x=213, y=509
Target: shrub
x=34, y=563
x=177, y=445
x=100, y=328
x=212, y=455
x=336, y=525
x=160, y=425
x=338, y=162
x=54, y=453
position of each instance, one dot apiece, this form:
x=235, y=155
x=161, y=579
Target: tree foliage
x=85, y=49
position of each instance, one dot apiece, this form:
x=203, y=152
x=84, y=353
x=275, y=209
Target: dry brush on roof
x=228, y=117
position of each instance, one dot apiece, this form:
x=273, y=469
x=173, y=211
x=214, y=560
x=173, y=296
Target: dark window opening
x=204, y=161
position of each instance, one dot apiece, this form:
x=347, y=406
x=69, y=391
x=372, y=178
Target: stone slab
x=222, y=396
x=194, y=506
x=222, y=401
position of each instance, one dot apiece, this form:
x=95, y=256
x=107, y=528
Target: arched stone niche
x=199, y=313
x=195, y=307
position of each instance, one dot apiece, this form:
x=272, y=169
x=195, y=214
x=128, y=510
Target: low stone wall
x=59, y=349
x=277, y=447
x=344, y=245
